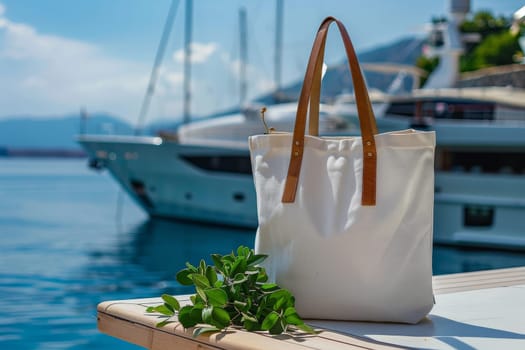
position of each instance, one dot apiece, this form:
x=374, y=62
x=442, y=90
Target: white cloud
x=3, y=21
x=199, y=52
x=47, y=74
x=174, y=78
x=258, y=80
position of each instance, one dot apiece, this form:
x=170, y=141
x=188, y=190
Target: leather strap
x=311, y=91
x=315, y=98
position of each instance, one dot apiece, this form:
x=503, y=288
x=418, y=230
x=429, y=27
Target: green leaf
x=228, y=258
x=201, y=293
x=233, y=291
x=200, y=281
x=262, y=277
x=202, y=267
x=184, y=277
x=218, y=284
x=150, y=309
x=221, y=317
x=198, y=300
x=269, y=287
x=269, y=321
x=196, y=313
x=290, y=311
x=256, y=259
x=216, y=296
x=261, y=309
x=186, y=318
x=169, y=307
x=291, y=317
x=191, y=268
x=163, y=323
x=202, y=330
x=161, y=309
x=211, y=275
x=277, y=328
x=174, y=303
x=281, y=299
x=280, y=303
x=217, y=260
x=278, y=294
x=207, y=314
x=243, y=251
x=306, y=328
x=226, y=269
x=251, y=326
x=239, y=266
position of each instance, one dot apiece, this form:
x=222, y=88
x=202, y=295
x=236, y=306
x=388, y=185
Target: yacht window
x=481, y=162
x=478, y=216
x=444, y=109
x=228, y=164
x=402, y=108
x=483, y=111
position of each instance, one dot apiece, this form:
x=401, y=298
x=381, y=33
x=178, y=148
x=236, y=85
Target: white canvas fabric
x=340, y=259
x=347, y=224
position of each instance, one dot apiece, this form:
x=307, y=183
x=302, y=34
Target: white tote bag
x=347, y=221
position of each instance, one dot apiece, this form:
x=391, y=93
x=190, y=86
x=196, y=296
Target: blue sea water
x=70, y=239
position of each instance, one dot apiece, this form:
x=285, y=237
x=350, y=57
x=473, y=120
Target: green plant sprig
x=232, y=292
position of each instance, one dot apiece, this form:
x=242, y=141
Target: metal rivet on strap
x=297, y=143
x=296, y=153
x=369, y=154
x=368, y=143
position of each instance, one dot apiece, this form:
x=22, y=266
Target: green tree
x=484, y=23
x=497, y=46
x=495, y=50
x=428, y=64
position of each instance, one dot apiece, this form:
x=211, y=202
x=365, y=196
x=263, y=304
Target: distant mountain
x=337, y=79
x=55, y=133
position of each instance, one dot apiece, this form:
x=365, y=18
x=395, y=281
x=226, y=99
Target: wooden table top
x=478, y=310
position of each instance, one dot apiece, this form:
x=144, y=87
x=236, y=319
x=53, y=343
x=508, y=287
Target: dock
x=474, y=310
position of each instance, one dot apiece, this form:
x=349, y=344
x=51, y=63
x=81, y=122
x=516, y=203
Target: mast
x=243, y=55
x=156, y=65
x=278, y=45
x=187, y=60
x=83, y=121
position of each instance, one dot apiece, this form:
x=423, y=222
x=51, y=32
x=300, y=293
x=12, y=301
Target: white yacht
x=202, y=172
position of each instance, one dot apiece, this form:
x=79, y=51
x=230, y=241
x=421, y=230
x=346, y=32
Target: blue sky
x=59, y=55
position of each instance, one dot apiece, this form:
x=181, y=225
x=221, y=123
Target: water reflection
x=447, y=259
x=164, y=245
x=143, y=261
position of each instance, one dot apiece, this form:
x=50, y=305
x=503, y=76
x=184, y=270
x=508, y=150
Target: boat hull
x=161, y=178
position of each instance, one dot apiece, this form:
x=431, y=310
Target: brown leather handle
x=315, y=97
x=364, y=109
